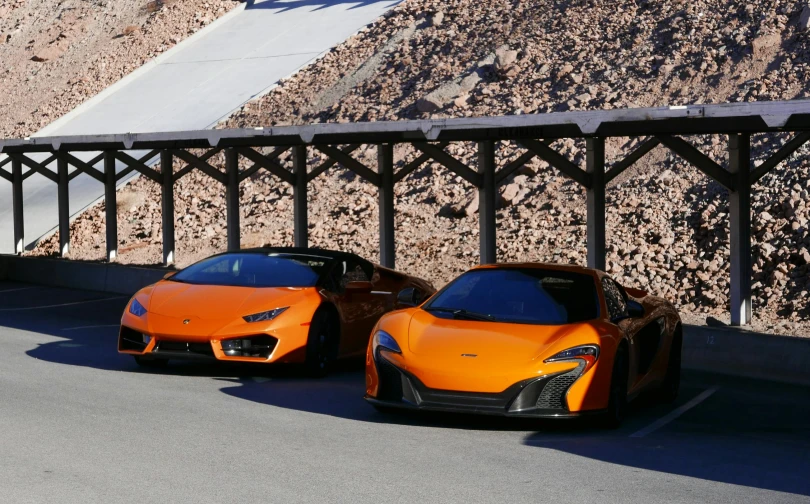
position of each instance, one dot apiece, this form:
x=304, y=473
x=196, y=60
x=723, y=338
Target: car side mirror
x=635, y=309
x=407, y=297
x=358, y=287
x=169, y=274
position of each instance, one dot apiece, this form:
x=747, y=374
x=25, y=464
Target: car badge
x=469, y=355
x=186, y=321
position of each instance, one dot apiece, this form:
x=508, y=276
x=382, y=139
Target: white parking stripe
x=62, y=304
x=91, y=327
x=17, y=290
x=675, y=413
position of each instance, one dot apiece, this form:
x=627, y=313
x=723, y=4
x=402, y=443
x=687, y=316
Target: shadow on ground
x=750, y=433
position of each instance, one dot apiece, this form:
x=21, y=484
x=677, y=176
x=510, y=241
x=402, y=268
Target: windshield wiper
x=462, y=314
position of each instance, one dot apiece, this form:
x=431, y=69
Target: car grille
x=259, y=346
x=188, y=347
x=553, y=394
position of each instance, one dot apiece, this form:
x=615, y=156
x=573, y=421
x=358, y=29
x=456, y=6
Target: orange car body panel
x=181, y=312
x=507, y=353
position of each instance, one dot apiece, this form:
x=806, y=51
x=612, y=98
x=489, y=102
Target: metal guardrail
x=532, y=133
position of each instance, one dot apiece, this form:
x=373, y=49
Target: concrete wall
x=729, y=351
x=113, y=278
x=738, y=352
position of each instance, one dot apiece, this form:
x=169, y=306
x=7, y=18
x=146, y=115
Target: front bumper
x=541, y=397
x=248, y=348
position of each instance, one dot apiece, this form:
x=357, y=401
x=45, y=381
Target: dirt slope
x=56, y=54
x=668, y=225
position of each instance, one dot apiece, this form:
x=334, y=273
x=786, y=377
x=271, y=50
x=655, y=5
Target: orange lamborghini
x=531, y=340
x=290, y=305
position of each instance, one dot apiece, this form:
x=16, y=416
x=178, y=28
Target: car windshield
x=519, y=295
x=255, y=270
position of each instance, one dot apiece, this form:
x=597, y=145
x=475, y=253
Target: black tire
x=617, y=405
x=322, y=344
x=150, y=362
x=672, y=380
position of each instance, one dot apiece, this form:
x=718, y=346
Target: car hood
x=477, y=356
x=214, y=302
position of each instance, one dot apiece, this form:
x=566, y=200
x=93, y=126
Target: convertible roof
x=331, y=254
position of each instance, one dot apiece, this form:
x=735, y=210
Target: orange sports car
x=526, y=340
x=289, y=305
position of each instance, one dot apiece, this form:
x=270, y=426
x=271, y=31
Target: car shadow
x=341, y=395
x=748, y=433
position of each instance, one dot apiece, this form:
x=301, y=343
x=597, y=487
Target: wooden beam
x=35, y=167
x=315, y=173
x=782, y=154
x=415, y=164
x=267, y=162
x=410, y=167
x=558, y=161
x=200, y=164
x=138, y=166
x=81, y=166
x=513, y=166
x=632, y=158
x=699, y=160
x=449, y=162
x=350, y=163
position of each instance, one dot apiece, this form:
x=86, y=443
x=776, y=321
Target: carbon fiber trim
x=553, y=394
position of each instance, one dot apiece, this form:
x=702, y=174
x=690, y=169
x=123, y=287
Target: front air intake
x=131, y=340
x=260, y=346
x=553, y=394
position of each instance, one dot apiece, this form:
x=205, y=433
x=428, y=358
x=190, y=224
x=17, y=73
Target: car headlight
x=265, y=315
x=385, y=341
x=587, y=353
x=137, y=308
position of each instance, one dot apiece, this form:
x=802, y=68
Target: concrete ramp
x=193, y=86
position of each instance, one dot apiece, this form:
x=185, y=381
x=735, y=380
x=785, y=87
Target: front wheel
x=322, y=344
x=617, y=404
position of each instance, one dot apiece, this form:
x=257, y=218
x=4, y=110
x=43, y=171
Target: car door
x=359, y=309
x=645, y=334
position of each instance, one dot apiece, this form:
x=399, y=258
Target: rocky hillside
x=56, y=54
x=668, y=224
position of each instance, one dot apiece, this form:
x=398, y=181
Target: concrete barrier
x=724, y=350
x=103, y=277
x=737, y=352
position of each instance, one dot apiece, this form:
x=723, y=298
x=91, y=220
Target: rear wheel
x=150, y=362
x=322, y=344
x=617, y=404
x=672, y=380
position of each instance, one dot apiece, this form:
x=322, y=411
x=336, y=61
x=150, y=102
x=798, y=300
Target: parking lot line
x=105, y=326
x=62, y=304
x=672, y=415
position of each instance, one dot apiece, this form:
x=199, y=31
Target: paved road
x=81, y=424
x=195, y=85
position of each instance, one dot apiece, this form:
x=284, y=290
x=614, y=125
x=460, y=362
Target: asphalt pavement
x=192, y=87
x=81, y=424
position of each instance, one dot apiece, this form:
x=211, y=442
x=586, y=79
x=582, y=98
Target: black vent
x=250, y=346
x=188, y=347
x=130, y=339
x=553, y=394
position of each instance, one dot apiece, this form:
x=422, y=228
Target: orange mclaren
x=287, y=305
x=527, y=340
